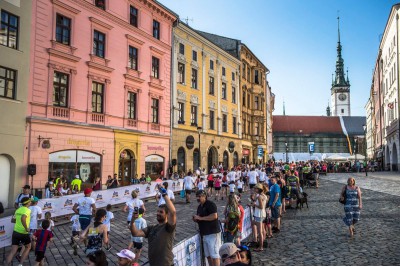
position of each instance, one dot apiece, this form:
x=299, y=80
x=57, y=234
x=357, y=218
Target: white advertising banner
x=63, y=156
x=187, y=252
x=6, y=230
x=85, y=156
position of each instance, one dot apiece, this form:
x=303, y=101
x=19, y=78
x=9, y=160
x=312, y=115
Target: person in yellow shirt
x=77, y=181
x=21, y=231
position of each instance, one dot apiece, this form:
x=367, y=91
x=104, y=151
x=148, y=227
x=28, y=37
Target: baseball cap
x=127, y=254
x=201, y=193
x=77, y=176
x=87, y=191
x=35, y=199
x=227, y=250
x=27, y=187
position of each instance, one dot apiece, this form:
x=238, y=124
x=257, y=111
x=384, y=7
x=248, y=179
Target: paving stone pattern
x=314, y=236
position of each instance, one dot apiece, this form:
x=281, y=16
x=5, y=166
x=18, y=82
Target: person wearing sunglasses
x=230, y=255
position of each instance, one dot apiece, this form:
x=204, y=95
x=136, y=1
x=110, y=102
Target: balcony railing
x=97, y=118
x=155, y=127
x=132, y=123
x=60, y=112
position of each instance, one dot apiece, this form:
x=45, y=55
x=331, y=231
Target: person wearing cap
x=26, y=192
x=230, y=255
x=160, y=236
x=86, y=208
x=77, y=181
x=126, y=257
x=207, y=218
x=36, y=214
x=21, y=231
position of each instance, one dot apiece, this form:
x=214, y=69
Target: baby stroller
x=311, y=180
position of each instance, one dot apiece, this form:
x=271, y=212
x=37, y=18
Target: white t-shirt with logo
x=232, y=188
x=134, y=202
x=76, y=226
x=201, y=185
x=85, y=205
x=188, y=183
x=35, y=211
x=140, y=223
x=252, y=177
x=107, y=221
x=170, y=195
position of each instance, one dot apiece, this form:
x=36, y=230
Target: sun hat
x=127, y=254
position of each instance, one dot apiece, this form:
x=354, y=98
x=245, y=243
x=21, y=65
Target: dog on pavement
x=302, y=200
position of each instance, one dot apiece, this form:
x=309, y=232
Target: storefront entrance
x=154, y=165
x=181, y=161
x=212, y=158
x=126, y=167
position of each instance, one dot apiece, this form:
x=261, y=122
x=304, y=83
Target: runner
x=131, y=204
x=42, y=237
x=85, y=207
x=137, y=242
x=36, y=214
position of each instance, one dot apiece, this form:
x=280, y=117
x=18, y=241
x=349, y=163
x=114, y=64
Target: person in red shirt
x=42, y=237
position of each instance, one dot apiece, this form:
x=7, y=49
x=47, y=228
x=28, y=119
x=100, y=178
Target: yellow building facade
x=206, y=110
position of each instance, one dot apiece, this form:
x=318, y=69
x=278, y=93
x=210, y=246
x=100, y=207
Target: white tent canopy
x=336, y=157
x=357, y=156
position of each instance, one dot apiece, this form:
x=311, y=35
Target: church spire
x=339, y=73
x=328, y=110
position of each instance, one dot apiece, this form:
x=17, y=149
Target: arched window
x=235, y=159
x=196, y=159
x=226, y=160
x=181, y=160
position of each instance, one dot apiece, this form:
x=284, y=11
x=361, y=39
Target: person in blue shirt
x=275, y=204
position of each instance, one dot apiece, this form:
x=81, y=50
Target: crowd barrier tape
x=60, y=206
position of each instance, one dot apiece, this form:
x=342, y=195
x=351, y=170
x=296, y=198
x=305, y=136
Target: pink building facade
x=99, y=96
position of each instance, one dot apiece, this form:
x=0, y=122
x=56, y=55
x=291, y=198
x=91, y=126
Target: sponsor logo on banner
x=99, y=197
x=126, y=192
x=115, y=194
x=148, y=188
x=2, y=230
x=47, y=206
x=68, y=203
x=173, y=185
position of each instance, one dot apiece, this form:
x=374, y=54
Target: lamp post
x=365, y=159
x=355, y=153
x=199, y=129
x=287, y=150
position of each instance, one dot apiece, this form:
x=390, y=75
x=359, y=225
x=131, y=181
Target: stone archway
x=394, y=160
x=126, y=167
x=212, y=157
x=181, y=160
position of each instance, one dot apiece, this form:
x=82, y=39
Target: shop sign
x=160, y=148
x=85, y=156
x=246, y=152
x=63, y=156
x=154, y=158
x=75, y=142
x=190, y=142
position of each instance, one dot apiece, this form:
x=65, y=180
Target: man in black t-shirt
x=207, y=218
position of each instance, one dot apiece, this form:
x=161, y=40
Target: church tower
x=340, y=91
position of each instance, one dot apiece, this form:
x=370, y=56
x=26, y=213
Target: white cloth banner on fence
x=60, y=206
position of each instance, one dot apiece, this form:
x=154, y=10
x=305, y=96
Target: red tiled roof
x=308, y=124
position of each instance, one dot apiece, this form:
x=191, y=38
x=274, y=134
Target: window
x=256, y=107
x=8, y=79
x=248, y=101
x=224, y=91
x=132, y=105
x=194, y=55
x=133, y=58
x=194, y=78
x=248, y=73
x=100, y=4
x=342, y=110
x=181, y=113
x=154, y=110
x=99, y=42
x=60, y=89
x=244, y=71
x=223, y=71
x=97, y=97
x=248, y=126
x=211, y=65
x=63, y=30
x=212, y=119
x=233, y=76
x=211, y=85
x=193, y=115
x=155, y=67
x=156, y=29
x=234, y=95
x=133, y=16
x=256, y=79
x=256, y=129
x=234, y=125
x=9, y=30
x=181, y=73
x=244, y=99
x=244, y=127
x=224, y=123
x=181, y=49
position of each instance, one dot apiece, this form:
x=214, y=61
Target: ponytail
x=100, y=213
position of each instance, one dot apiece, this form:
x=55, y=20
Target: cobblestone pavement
x=313, y=236
x=318, y=236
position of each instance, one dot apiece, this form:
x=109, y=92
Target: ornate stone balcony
x=58, y=112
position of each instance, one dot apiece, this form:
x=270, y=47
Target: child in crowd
x=239, y=184
x=140, y=223
x=75, y=190
x=42, y=237
x=36, y=214
x=47, y=216
x=232, y=188
x=202, y=184
x=76, y=231
x=126, y=258
x=107, y=222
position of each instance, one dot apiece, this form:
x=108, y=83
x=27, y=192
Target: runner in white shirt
x=231, y=176
x=253, y=178
x=170, y=193
x=188, y=186
x=239, y=184
x=131, y=204
x=87, y=208
x=262, y=176
x=202, y=184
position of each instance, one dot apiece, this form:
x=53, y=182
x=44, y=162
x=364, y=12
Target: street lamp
x=365, y=159
x=199, y=129
x=287, y=150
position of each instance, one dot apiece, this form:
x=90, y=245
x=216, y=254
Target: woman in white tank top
x=259, y=215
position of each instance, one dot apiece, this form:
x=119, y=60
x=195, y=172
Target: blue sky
x=296, y=40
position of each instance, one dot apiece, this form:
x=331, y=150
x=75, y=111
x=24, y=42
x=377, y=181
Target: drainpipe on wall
x=172, y=82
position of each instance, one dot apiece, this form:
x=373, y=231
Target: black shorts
x=240, y=190
x=39, y=255
x=75, y=233
x=210, y=184
x=224, y=185
x=252, y=185
x=137, y=245
x=18, y=239
x=217, y=188
x=187, y=191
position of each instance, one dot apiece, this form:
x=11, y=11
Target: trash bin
x=39, y=193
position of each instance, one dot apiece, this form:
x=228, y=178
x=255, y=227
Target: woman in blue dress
x=353, y=204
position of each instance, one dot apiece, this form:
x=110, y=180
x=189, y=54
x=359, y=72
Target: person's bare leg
x=25, y=253
x=14, y=249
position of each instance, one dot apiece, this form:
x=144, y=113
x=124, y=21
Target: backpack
x=233, y=217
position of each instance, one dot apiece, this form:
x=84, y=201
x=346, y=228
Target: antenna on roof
x=187, y=20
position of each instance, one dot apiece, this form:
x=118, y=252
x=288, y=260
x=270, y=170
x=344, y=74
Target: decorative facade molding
x=65, y=6
x=133, y=78
x=63, y=55
x=211, y=72
x=98, y=78
x=61, y=67
x=224, y=108
x=99, y=67
x=194, y=64
x=194, y=99
x=135, y=40
x=234, y=111
x=62, y=47
x=100, y=23
x=157, y=51
x=181, y=95
x=155, y=95
x=211, y=104
x=132, y=88
x=181, y=58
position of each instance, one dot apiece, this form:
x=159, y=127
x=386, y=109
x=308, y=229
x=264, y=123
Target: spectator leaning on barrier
x=87, y=208
x=77, y=181
x=160, y=236
x=207, y=218
x=20, y=234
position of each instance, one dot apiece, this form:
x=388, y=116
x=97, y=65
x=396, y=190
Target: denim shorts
x=258, y=219
x=275, y=212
